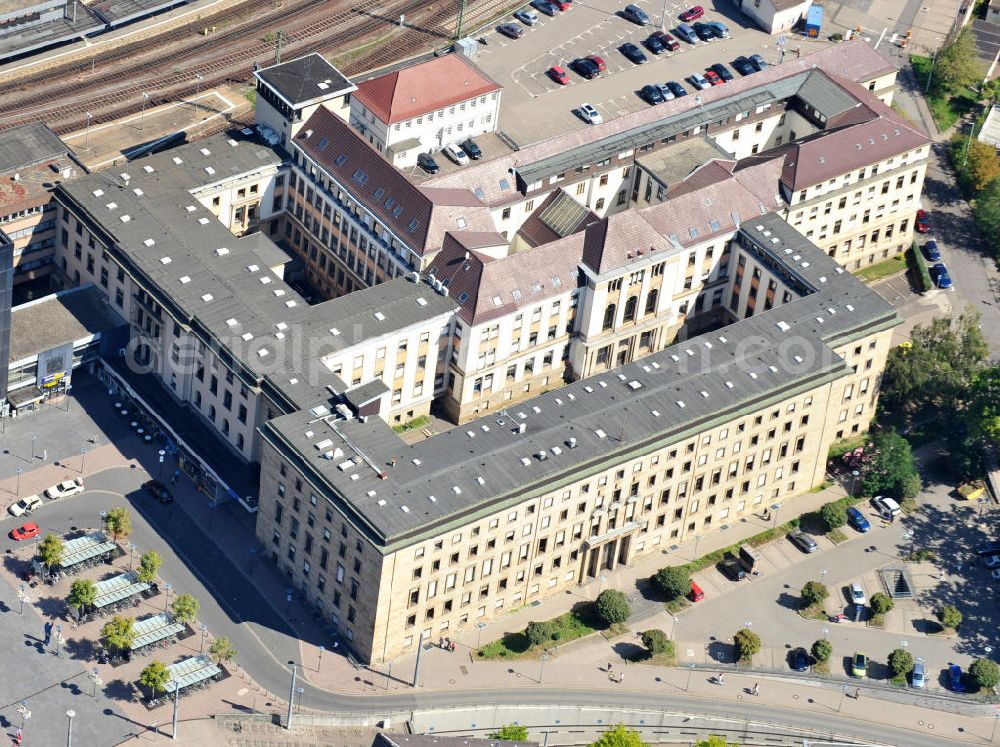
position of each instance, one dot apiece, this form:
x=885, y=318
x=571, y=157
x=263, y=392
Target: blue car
x=955, y=678
x=941, y=277
x=857, y=520
x=932, y=251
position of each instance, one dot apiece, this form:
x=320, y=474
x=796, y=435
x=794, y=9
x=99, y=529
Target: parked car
x=590, y=115
x=158, y=490
x=25, y=506
x=633, y=53
x=721, y=30
x=563, y=5
x=427, y=163
x=859, y=664
x=932, y=251
x=955, y=678
x=922, y=224
x=527, y=17
x=798, y=659
x=559, y=75
x=676, y=88
x=692, y=14
x=759, y=62
x=713, y=77
x=667, y=40
x=544, y=6
x=858, y=594
x=699, y=81
x=743, y=66
x=472, y=150
x=25, y=532
x=992, y=561
x=599, y=61
x=511, y=30
x=654, y=45
x=918, y=677
x=704, y=31
x=988, y=548
x=686, y=33
x=857, y=520
x=651, y=95
x=887, y=508
x=585, y=68
x=722, y=71
x=995, y=573
x=636, y=14
x=456, y=154
x=65, y=489
x=665, y=91
x=939, y=273
x=803, y=541
x=731, y=567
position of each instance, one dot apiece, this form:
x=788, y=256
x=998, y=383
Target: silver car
x=527, y=17
x=918, y=677
x=700, y=82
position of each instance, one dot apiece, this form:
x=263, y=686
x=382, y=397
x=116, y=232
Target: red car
x=563, y=5
x=25, y=532
x=558, y=75
x=667, y=40
x=692, y=14
x=922, y=224
x=599, y=61
x=713, y=77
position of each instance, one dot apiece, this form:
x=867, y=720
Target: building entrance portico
x=607, y=551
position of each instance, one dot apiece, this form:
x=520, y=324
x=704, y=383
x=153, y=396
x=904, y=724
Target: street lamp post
x=95, y=677
x=319, y=664
x=826, y=631
x=291, y=696
x=87, y=144
x=69, y=729
x=21, y=596
x=17, y=487
x=930, y=75
x=822, y=576
x=59, y=640
x=541, y=669
x=166, y=603
x=83, y=460
x=159, y=470
x=131, y=554
x=479, y=636
x=299, y=690
x=33, y=439
x=173, y=733
x=690, y=672
x=854, y=480
x=673, y=624
x=197, y=89
x=142, y=114
x=204, y=631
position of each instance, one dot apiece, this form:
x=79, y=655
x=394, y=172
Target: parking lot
x=535, y=107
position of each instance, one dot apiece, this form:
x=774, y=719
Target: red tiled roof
x=419, y=89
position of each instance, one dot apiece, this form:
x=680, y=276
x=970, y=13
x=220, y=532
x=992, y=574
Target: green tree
x=984, y=407
x=982, y=165
x=986, y=211
x=656, y=641
x=822, y=650
x=222, y=650
x=185, y=608
x=713, y=740
x=539, y=632
x=118, y=523
x=814, y=592
x=512, y=733
x=155, y=677
x=834, y=515
x=949, y=616
x=673, y=581
x=881, y=603
x=149, y=564
x=747, y=644
x=891, y=465
x=613, y=607
x=620, y=737
x=82, y=594
x=900, y=662
x=51, y=550
x=958, y=64
x=985, y=673
x=119, y=633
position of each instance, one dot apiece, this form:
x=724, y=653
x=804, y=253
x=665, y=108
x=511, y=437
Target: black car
x=744, y=66
x=158, y=490
x=676, y=88
x=798, y=659
x=651, y=95
x=586, y=68
x=654, y=45
x=705, y=32
x=759, y=62
x=471, y=149
x=988, y=548
x=511, y=30
x=731, y=567
x=633, y=53
x=722, y=71
x=427, y=163
x=803, y=541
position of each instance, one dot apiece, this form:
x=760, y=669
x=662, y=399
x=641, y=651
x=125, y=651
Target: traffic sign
x=781, y=40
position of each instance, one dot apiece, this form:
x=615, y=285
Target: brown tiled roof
x=419, y=89
x=418, y=215
x=486, y=288
x=619, y=239
x=710, y=172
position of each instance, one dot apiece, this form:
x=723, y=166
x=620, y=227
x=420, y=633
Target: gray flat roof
x=26, y=39
x=58, y=319
x=115, y=12
x=583, y=427
x=825, y=96
x=675, y=162
x=306, y=79
x=27, y=145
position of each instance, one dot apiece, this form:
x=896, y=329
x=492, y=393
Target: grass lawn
x=836, y=536
x=568, y=627
x=418, y=422
x=882, y=269
x=666, y=659
x=821, y=667
x=676, y=605
x=814, y=612
x=946, y=106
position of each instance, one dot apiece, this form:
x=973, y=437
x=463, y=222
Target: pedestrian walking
x=48, y=633
x=18, y=736
x=857, y=693
x=721, y=678
x=756, y=689
x=45, y=455
x=609, y=666
x=621, y=677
